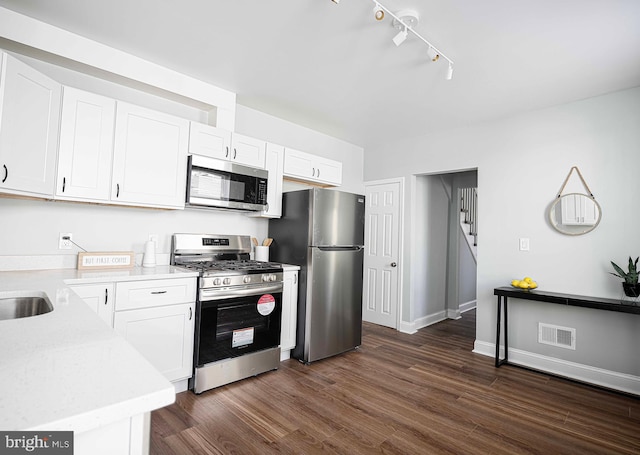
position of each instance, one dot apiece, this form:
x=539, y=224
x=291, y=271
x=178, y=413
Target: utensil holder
x=261, y=253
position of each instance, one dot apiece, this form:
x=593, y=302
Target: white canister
x=261, y=253
x=149, y=254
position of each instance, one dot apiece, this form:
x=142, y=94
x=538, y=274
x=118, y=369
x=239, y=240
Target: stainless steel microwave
x=223, y=184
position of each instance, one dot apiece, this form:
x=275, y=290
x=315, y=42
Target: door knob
x=393, y=264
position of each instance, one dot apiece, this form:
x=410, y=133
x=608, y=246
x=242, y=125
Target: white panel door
x=29, y=120
x=86, y=146
x=149, y=158
x=381, y=261
x=163, y=335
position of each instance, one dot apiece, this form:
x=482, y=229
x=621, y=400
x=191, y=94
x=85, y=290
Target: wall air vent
x=562, y=337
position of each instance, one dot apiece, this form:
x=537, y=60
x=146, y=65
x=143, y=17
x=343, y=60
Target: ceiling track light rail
x=404, y=21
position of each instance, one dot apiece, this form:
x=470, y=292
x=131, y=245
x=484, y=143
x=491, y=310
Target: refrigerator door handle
x=340, y=248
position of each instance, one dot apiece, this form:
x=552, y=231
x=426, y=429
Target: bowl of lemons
x=525, y=283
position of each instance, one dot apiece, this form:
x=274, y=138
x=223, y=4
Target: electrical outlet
x=524, y=244
x=64, y=241
x=153, y=238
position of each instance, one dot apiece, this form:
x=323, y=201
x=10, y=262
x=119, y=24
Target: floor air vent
x=563, y=337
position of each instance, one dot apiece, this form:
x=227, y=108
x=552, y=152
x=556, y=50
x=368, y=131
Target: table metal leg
x=498, y=327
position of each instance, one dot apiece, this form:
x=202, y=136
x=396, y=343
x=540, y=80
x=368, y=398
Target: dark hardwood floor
x=425, y=393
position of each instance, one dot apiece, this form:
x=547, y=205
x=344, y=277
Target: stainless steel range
x=238, y=311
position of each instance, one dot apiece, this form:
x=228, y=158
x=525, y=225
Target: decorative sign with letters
x=106, y=260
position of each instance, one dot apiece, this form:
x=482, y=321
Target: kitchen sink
x=23, y=306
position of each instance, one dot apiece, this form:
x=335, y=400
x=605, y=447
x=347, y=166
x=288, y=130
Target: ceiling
x=333, y=68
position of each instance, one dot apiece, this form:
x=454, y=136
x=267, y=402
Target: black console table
x=597, y=303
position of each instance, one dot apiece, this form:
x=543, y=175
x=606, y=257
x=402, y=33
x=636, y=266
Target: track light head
x=433, y=55
x=400, y=37
x=378, y=12
x=336, y=1
x=450, y=71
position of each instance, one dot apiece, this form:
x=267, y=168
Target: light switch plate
x=524, y=244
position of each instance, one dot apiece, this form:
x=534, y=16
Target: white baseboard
x=467, y=306
x=413, y=327
x=181, y=386
x=584, y=373
x=285, y=354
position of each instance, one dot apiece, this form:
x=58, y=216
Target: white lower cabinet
x=99, y=297
x=155, y=316
x=289, y=311
x=163, y=335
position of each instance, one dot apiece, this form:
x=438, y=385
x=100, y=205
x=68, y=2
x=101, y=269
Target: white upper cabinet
x=312, y=168
x=29, y=116
x=209, y=141
x=86, y=146
x=248, y=150
x=149, y=158
x=215, y=142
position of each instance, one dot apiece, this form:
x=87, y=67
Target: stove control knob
x=227, y=281
x=272, y=277
x=246, y=279
x=216, y=281
x=265, y=277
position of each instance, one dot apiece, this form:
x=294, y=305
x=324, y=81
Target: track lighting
x=378, y=12
x=405, y=21
x=400, y=37
x=433, y=55
x=336, y=1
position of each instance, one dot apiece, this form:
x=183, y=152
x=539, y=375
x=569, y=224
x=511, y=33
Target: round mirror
x=575, y=214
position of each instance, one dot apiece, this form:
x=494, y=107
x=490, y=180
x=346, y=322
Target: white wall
x=522, y=162
x=272, y=129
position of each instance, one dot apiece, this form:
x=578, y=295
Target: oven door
x=237, y=325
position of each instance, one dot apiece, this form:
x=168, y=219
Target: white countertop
x=67, y=369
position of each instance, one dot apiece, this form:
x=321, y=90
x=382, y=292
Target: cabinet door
x=29, y=117
x=99, y=297
x=209, y=141
x=163, y=335
x=150, y=158
x=328, y=171
x=247, y=150
x=299, y=164
x=289, y=310
x=86, y=146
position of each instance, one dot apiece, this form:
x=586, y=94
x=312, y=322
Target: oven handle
x=219, y=294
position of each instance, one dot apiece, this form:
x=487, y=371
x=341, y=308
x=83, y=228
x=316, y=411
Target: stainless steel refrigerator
x=322, y=231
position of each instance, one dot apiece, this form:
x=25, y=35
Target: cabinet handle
x=117, y=190
x=6, y=173
x=64, y=183
x=295, y=279
x=226, y=155
x=190, y=313
x=318, y=173
x=235, y=153
x=313, y=172
x=158, y=292
x=106, y=295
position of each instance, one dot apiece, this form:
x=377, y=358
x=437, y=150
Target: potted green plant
x=630, y=277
